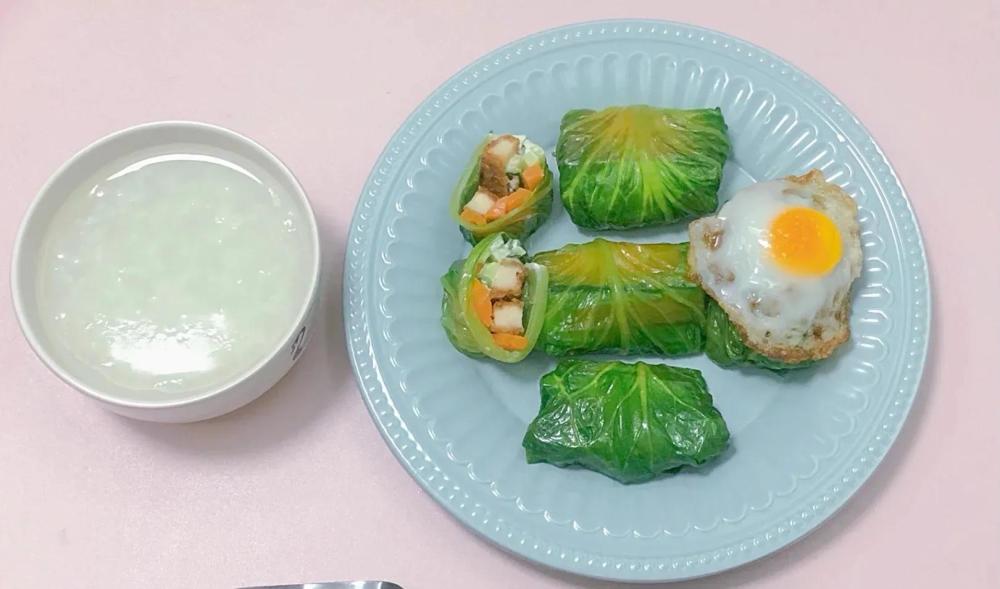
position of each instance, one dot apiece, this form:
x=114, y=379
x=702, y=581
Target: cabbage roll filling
x=498, y=293
x=510, y=169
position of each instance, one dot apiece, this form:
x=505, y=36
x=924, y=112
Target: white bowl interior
x=77, y=170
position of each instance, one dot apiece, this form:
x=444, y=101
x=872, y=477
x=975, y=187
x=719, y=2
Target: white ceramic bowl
x=237, y=392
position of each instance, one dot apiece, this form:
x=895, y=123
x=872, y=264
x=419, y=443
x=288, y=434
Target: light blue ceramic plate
x=801, y=446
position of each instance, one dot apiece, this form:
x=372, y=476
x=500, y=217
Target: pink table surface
x=299, y=486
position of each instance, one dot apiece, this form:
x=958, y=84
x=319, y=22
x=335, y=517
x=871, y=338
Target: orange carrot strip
x=514, y=200
x=531, y=176
x=472, y=217
x=511, y=342
x=481, y=304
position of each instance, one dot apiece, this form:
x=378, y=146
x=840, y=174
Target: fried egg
x=780, y=257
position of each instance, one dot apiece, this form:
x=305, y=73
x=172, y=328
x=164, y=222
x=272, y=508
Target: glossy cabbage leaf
x=634, y=166
x=459, y=319
x=724, y=344
x=621, y=298
x=518, y=223
x=631, y=422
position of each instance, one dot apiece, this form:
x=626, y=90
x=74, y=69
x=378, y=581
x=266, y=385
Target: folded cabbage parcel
x=634, y=166
x=631, y=422
x=494, y=302
x=506, y=187
x=724, y=345
x=622, y=298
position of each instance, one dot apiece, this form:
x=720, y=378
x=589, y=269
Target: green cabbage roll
x=494, y=301
x=631, y=422
x=634, y=166
x=622, y=298
x=724, y=344
x=506, y=187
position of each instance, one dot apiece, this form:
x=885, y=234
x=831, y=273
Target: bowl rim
x=30, y=331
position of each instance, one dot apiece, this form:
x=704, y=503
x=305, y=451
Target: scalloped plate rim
x=353, y=323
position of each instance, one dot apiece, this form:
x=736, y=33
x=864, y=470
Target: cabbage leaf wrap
x=518, y=223
x=464, y=329
x=724, y=345
x=631, y=422
x=634, y=166
x=621, y=298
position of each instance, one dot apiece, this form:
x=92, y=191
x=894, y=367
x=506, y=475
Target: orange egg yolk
x=804, y=241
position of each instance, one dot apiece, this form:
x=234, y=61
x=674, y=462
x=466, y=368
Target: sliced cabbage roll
x=494, y=301
x=507, y=187
x=621, y=298
x=724, y=345
x=634, y=166
x=631, y=422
